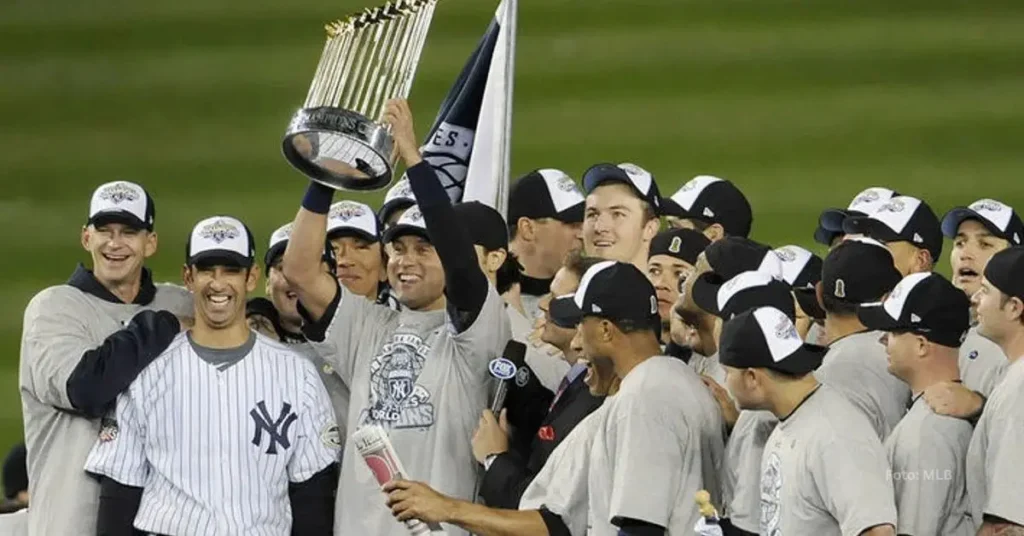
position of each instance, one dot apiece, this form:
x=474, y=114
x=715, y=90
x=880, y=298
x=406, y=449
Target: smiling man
x=621, y=214
x=422, y=372
x=354, y=234
x=226, y=431
x=83, y=343
x=671, y=260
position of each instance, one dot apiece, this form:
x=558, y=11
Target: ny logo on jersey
x=276, y=429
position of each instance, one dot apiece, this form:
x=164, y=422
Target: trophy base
x=339, y=148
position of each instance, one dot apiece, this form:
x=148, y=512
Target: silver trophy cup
x=336, y=138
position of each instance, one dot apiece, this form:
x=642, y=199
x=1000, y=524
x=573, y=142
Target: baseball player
x=908, y=226
x=83, y=343
x=823, y=470
x=226, y=432
x=978, y=231
x=670, y=262
x=830, y=223
x=727, y=258
x=285, y=306
x=924, y=319
x=802, y=270
x=545, y=216
x=661, y=437
x=422, y=372
x=860, y=270
x=354, y=234
x=994, y=478
x=713, y=206
x=621, y=214
x=749, y=428
x=397, y=200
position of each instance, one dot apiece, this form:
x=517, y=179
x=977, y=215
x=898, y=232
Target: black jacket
x=511, y=472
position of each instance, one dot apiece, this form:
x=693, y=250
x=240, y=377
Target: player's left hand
x=725, y=402
x=416, y=500
x=491, y=435
x=399, y=116
x=953, y=399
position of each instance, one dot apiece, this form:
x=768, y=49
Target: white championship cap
x=221, y=239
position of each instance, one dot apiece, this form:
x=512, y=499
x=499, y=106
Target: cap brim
x=274, y=252
x=705, y=292
x=338, y=232
x=952, y=220
x=805, y=360
x=400, y=230
x=671, y=208
x=573, y=214
x=220, y=257
x=398, y=203
x=875, y=318
x=118, y=216
x=872, y=228
x=832, y=219
x=807, y=298
x=824, y=236
x=564, y=312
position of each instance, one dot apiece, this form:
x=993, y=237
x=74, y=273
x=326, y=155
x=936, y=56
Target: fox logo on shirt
x=396, y=400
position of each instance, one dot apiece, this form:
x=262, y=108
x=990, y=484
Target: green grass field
x=801, y=103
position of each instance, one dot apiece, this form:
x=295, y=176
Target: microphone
x=503, y=369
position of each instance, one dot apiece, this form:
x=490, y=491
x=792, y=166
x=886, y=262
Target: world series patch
x=108, y=430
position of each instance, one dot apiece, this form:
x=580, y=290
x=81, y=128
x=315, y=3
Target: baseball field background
x=801, y=103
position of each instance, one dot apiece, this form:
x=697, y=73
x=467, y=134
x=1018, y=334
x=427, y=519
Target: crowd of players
x=658, y=351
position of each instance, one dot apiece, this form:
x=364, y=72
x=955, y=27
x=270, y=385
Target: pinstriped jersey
x=215, y=445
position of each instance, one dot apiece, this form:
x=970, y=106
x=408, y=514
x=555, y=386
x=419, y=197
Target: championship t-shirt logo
x=396, y=400
x=219, y=231
x=771, y=496
x=118, y=193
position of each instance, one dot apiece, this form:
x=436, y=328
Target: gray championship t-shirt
x=743, y=453
x=659, y=442
x=982, y=363
x=926, y=452
x=61, y=324
x=708, y=366
x=425, y=383
x=995, y=479
x=858, y=367
x=561, y=485
x=824, y=472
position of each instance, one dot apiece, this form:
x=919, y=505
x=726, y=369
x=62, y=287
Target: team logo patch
x=276, y=428
x=987, y=205
x=331, y=436
x=840, y=290
x=347, y=210
x=565, y=184
x=328, y=369
x=108, y=430
x=502, y=368
x=786, y=254
x=396, y=400
x=784, y=329
x=771, y=496
x=118, y=193
x=895, y=205
x=522, y=376
x=864, y=198
x=219, y=231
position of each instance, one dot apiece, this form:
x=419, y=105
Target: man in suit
x=509, y=469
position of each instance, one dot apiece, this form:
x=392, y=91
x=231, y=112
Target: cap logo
x=640, y=177
x=987, y=205
x=118, y=193
x=1016, y=238
x=896, y=205
x=219, y=231
x=864, y=198
x=786, y=254
x=654, y=305
x=708, y=212
x=840, y=290
x=917, y=238
x=784, y=329
x=914, y=318
x=346, y=210
x=565, y=184
x=401, y=189
x=676, y=245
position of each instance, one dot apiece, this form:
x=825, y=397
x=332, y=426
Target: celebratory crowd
x=646, y=349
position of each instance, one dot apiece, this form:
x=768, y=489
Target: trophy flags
x=469, y=142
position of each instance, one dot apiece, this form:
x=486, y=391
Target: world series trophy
x=336, y=138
